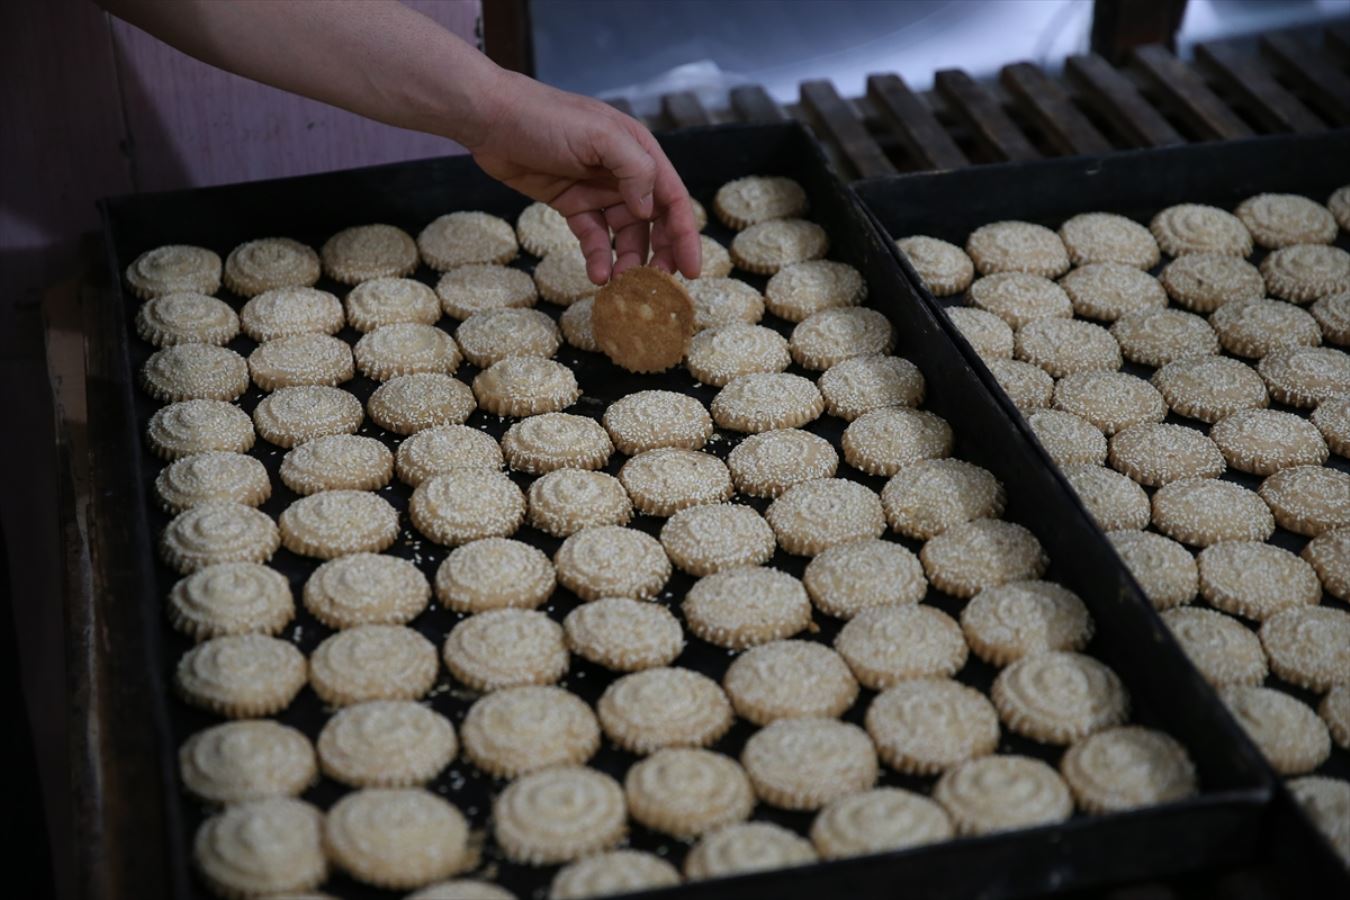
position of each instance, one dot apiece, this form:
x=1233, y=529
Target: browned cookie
x=643, y=320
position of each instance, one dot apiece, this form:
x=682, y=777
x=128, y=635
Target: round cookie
x=611, y=561
x=1204, y=511
x=815, y=515
x=1306, y=272
x=1195, y=228
x=768, y=463
x=387, y=301
x=518, y=730
x=494, y=573
x=1098, y=237
x=576, y=326
x=1165, y=570
x=194, y=372
x=241, y=761
x=1279, y=220
x=409, y=404
x=463, y=238
x=366, y=589
x=1154, y=454
x=806, y=763
x=1308, y=499
x=1160, y=336
x=525, y=386
x=186, y=318
x=335, y=523
x=643, y=319
x=199, y=426
x=885, y=645
x=231, y=598
x=724, y=301
x=472, y=289
x=1339, y=205
x=685, y=792
x=834, y=335
x=367, y=252
x=288, y=311
x=242, y=676
x=1255, y=580
x=705, y=539
x=386, y=744
x=1018, y=298
x=1203, y=282
x=969, y=557
x=747, y=847
x=805, y=288
x=174, y=269
x=766, y=248
x=624, y=635
x=1254, y=328
x=1290, y=736
x=1329, y=555
x=848, y=578
x=861, y=384
x=1209, y=388
x=988, y=335
x=1305, y=376
x=717, y=355
x=212, y=533
x=1006, y=623
x=561, y=276
x=541, y=229
x=1017, y=247
x=462, y=889
x=1067, y=347
x=885, y=441
x=293, y=415
x=212, y=478
x=924, y=726
x=1067, y=438
x=464, y=505
x=930, y=496
x=738, y=608
x=1106, y=291
x=494, y=334
x=758, y=198
x=614, y=872
x=301, y=359
x=646, y=420
x=565, y=501
x=1335, y=711
x=1126, y=768
x=405, y=348
x=262, y=847
x=789, y=680
x=337, y=462
x=1327, y=802
x=878, y=821
x=257, y=266
x=1332, y=314
x=1223, y=649
x=397, y=839
x=664, y=481
x=765, y=401
x=664, y=707
x=1309, y=646
x=1027, y=386
x=373, y=662
x=943, y=268
x=543, y=443
x=1058, y=697
x=504, y=648
x=1264, y=441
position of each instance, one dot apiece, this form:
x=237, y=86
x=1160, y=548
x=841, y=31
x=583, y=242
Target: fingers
x=631, y=163
x=631, y=238
x=592, y=231
x=675, y=231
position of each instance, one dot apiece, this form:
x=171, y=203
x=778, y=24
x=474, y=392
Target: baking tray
x=1221, y=827
x=949, y=205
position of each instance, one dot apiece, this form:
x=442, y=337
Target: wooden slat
x=1051, y=109
x=1121, y=102
x=1276, y=108
x=914, y=123
x=753, y=104
x=684, y=110
x=1313, y=70
x=621, y=105
x=838, y=124
x=1187, y=91
x=978, y=108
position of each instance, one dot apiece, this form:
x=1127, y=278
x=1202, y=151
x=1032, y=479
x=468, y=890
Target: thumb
x=629, y=164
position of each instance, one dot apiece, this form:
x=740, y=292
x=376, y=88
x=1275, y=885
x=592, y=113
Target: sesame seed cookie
x=561, y=278
x=805, y=288
x=242, y=676
x=468, y=290
x=540, y=444
x=1263, y=441
x=765, y=248
x=366, y=589
x=1305, y=272
x=565, y=501
x=257, y=266
x=494, y=573
x=335, y=523
x=1195, y=228
x=758, y=198
x=884, y=441
x=1017, y=247
x=1309, y=646
x=293, y=415
x=700, y=214
x=717, y=355
x=406, y=348
x=1099, y=237
x=861, y=384
x=1339, y=205
x=463, y=238
x=174, y=269
x=805, y=763
x=287, y=311
x=367, y=252
x=1329, y=555
x=664, y=707
x=1069, y=439
x=388, y=301
x=611, y=561
x=1027, y=386
x=517, y=730
x=787, y=680
x=885, y=645
x=1278, y=220
x=1160, y=336
x=724, y=301
x=212, y=533
x=231, y=598
x=1106, y=291
x=386, y=744
x=848, y=578
x=1018, y=298
x=1203, y=282
x=747, y=847
x=373, y=662
x=768, y=463
x=525, y=386
x=765, y=401
x=969, y=557
x=664, y=481
x=301, y=359
x=1253, y=328
x=186, y=318
x=577, y=327
x=1154, y=454
x=1335, y=711
x=716, y=259
x=1067, y=347
x=924, y=726
x=614, y=872
x=1332, y=314
x=988, y=335
x=241, y=761
x=1209, y=388
x=541, y=229
x=409, y=404
x=1305, y=376
x=464, y=505
x=558, y=815
x=1289, y=734
x=1255, y=580
x=1327, y=802
x=1126, y=768
x=702, y=540
x=212, y=478
x=624, y=635
x=267, y=846
x=337, y=462
x=1223, y=649
x=930, y=496
x=1308, y=499
x=1059, y=697
x=397, y=839
x=738, y=608
x=944, y=268
x=494, y=334
x=199, y=426
x=834, y=335
x=506, y=648
x=1005, y=623
x=878, y=821
x=1204, y=511
x=646, y=420
x=685, y=792
x=815, y=515
x=194, y=372
x=1165, y=570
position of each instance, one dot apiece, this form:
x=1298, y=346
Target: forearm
x=376, y=58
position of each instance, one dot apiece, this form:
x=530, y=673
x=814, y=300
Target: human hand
x=598, y=167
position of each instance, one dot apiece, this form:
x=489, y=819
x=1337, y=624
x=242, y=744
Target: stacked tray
x=1223, y=825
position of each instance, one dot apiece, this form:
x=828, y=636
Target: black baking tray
x=1137, y=184
x=1224, y=826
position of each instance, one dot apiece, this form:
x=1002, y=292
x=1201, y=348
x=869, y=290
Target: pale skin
x=601, y=169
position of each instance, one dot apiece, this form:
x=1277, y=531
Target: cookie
x=969, y=557
x=577, y=330
x=789, y=680
x=540, y=229
x=988, y=335
x=494, y=334
x=186, y=318
x=366, y=589
x=268, y=846
x=717, y=355
x=1018, y=298
x=878, y=821
x=1339, y=206
x=766, y=401
x=1195, y=228
x=1332, y=314
x=1279, y=220
x=610, y=561
x=410, y=404
x=561, y=278
x=388, y=301
x=1017, y=247
x=1255, y=580
x=506, y=648
x=1006, y=623
x=1305, y=376
x=1220, y=647
x=366, y=252
x=494, y=573
x=1288, y=734
x=885, y=645
x=738, y=608
x=386, y=744
x=293, y=415
x=1027, y=386
x=614, y=872
x=664, y=481
x=813, y=516
x=1106, y=291
x=194, y=372
x=1329, y=555
x=337, y=462
x=462, y=889
x=464, y=505
x=302, y=359
x=1306, y=272
x=1127, y=768
x=643, y=320
x=464, y=238
x=943, y=268
x=747, y=847
x=700, y=214
x=930, y=496
x=1209, y=388
x=924, y=726
x=287, y=311
x=1203, y=282
x=624, y=635
x=1058, y=697
x=834, y=335
x=1067, y=438
x=257, y=266
x=199, y=426
x=1164, y=569
x=540, y=444
x=406, y=348
x=518, y=730
x=1253, y=328
x=1098, y=237
x=1309, y=646
x=705, y=539
x=397, y=839
x=231, y=598
x=211, y=478
x=242, y=761
x=335, y=523
x=478, y=288
x=525, y=386
x=1204, y=511
x=1327, y=802
x=758, y=198
x=664, y=707
x=1067, y=347
x=212, y=533
x=242, y=676
x=861, y=384
x=766, y=248
x=885, y=441
x=174, y=269
x=1264, y=441
x=1160, y=336
x=805, y=288
x=805, y=763
x=724, y=301
x=768, y=463
x=373, y=662
x=847, y=578
x=685, y=792
x=647, y=420
x=1154, y=454
x=1335, y=711
x=567, y=500
x=1308, y=499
